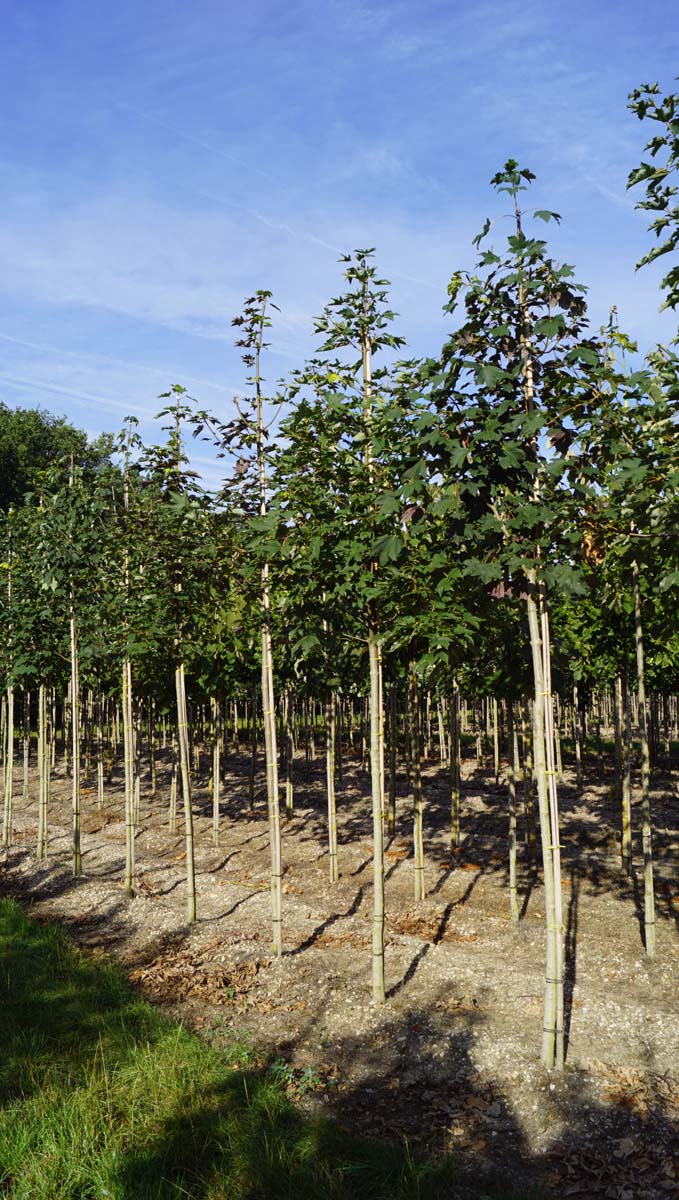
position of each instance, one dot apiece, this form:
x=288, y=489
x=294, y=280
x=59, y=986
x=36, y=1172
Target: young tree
x=515, y=381
x=248, y=436
x=331, y=484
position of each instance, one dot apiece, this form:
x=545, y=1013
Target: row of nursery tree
x=497, y=520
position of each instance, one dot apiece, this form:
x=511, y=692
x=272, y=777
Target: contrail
x=40, y=386
x=164, y=372
x=272, y=224
x=189, y=137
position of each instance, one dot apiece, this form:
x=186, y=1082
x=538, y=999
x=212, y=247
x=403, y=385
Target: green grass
x=101, y=1095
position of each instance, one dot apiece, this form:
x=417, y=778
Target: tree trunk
x=528, y=719
x=9, y=767
x=550, y=1030
x=550, y=742
x=441, y=729
x=289, y=756
x=330, y=784
x=216, y=777
x=511, y=793
x=393, y=733
x=646, y=827
x=43, y=772
x=496, y=742
x=151, y=727
x=626, y=841
x=618, y=739
x=454, y=764
x=418, y=835
x=577, y=738
x=26, y=736
x=100, y=752
x=269, y=719
x=376, y=718
x=75, y=745
x=183, y=739
x=173, y=785
x=128, y=750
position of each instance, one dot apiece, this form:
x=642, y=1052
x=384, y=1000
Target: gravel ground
x=451, y=1059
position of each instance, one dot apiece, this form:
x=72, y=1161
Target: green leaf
x=306, y=644
x=549, y=326
x=489, y=374
x=387, y=548
x=584, y=354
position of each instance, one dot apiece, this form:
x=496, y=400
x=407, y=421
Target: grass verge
x=102, y=1096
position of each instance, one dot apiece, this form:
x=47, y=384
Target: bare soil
x=452, y=1059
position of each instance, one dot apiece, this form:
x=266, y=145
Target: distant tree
x=31, y=440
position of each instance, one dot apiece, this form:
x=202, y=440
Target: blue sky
x=163, y=160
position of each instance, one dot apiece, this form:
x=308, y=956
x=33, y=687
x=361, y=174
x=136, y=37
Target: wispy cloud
x=95, y=359
x=37, y=389
x=251, y=169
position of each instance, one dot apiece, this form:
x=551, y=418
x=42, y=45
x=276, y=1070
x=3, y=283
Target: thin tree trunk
x=152, y=746
x=339, y=734
x=441, y=731
x=289, y=756
x=393, y=732
x=376, y=718
x=216, y=776
x=626, y=841
x=253, y=749
x=26, y=735
x=75, y=744
x=173, y=785
x=454, y=764
x=496, y=742
x=330, y=784
x=618, y=738
x=100, y=751
x=646, y=827
x=128, y=751
x=528, y=719
x=550, y=742
x=557, y=738
x=136, y=742
x=549, y=1053
x=418, y=835
x=43, y=772
x=577, y=738
x=511, y=793
x=269, y=720
x=9, y=768
x=183, y=739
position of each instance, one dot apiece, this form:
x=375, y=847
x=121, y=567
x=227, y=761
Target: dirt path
x=451, y=1059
